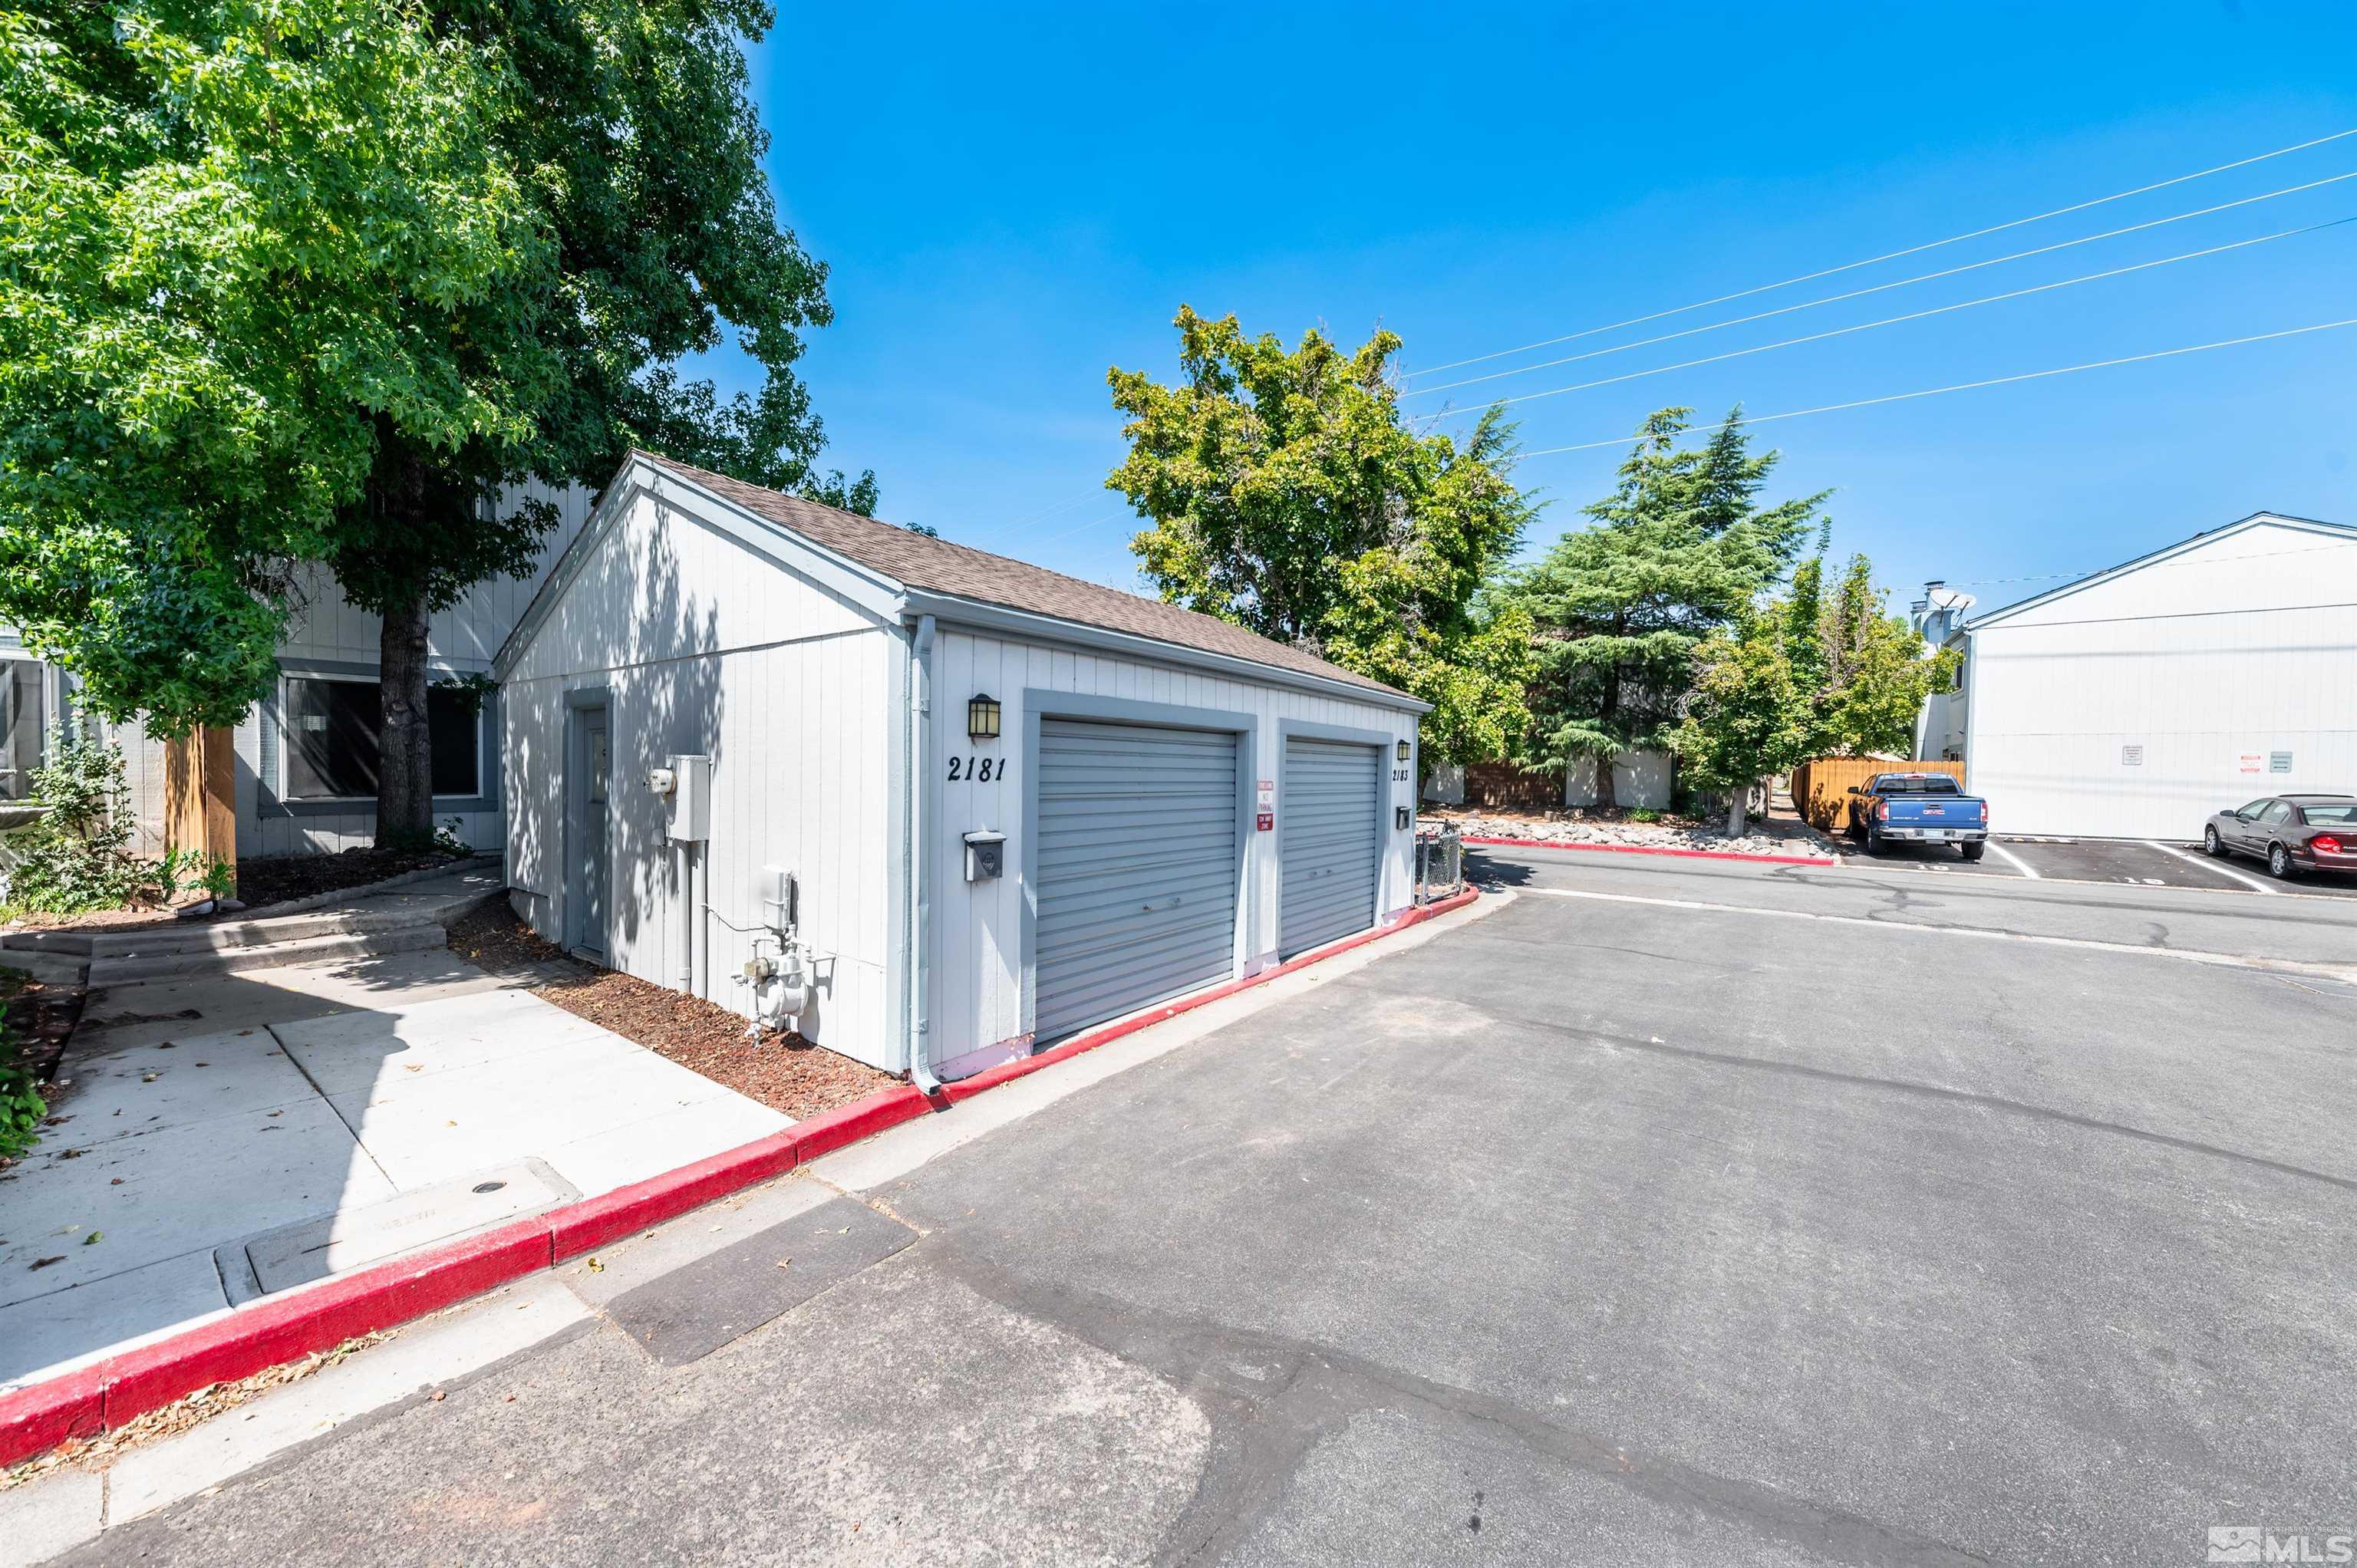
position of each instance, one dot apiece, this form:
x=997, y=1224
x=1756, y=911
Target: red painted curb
x=252, y=1339
x=1661, y=849
x=272, y=1332
x=991, y=1077
x=46, y=1414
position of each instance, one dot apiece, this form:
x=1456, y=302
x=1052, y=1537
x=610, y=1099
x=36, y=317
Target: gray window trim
x=1042, y=703
x=270, y=783
x=1382, y=744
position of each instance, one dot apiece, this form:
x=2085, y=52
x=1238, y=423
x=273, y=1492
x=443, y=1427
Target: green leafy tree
x=1875, y=675
x=234, y=237
x=1680, y=549
x=1285, y=496
x=317, y=279
x=1748, y=715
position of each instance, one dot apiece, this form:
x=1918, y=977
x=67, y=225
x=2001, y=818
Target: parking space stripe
x=2250, y=882
x=2015, y=861
x=2346, y=974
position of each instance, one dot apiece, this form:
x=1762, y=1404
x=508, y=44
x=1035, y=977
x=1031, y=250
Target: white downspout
x=683, y=969
x=920, y=844
x=702, y=920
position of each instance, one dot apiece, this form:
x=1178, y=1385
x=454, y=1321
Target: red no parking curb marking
x=272, y=1332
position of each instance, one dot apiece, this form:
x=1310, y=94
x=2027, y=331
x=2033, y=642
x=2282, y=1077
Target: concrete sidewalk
x=228, y=1137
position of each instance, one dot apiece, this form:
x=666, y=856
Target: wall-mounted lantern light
x=1403, y=751
x=982, y=717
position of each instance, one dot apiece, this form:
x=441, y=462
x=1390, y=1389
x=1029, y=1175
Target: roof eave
x=981, y=615
x=2154, y=557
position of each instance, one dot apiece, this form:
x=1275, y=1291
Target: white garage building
x=1007, y=804
x=2135, y=703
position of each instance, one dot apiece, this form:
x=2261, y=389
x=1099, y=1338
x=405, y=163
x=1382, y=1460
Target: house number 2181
x=974, y=770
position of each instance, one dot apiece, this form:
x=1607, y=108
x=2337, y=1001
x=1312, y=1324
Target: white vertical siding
x=977, y=962
x=2241, y=648
x=708, y=646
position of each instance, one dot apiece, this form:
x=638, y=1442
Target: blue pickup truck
x=1918, y=808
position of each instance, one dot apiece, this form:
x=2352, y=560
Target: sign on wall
x=2131, y=756
x=2279, y=762
x=2250, y=762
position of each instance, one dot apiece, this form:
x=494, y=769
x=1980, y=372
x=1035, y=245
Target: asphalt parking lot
x=1666, y=1210
x=2155, y=863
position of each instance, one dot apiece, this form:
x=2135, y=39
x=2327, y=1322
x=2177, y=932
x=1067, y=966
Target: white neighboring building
x=2135, y=703
x=1170, y=801
x=305, y=779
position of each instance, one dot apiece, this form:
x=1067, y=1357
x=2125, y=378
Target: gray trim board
x=2257, y=518
x=1040, y=702
x=869, y=591
x=975, y=615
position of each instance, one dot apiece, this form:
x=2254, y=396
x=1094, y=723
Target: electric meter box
x=690, y=799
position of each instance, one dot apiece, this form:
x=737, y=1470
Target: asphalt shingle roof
x=936, y=565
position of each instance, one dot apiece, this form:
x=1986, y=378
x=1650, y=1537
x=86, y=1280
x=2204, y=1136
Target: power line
x=1914, y=315
x=1882, y=287
x=2099, y=571
x=1970, y=386
x=1888, y=255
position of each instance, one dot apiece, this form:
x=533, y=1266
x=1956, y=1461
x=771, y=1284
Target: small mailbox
x=985, y=855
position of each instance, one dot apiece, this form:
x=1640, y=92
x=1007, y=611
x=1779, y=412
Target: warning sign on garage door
x=2279, y=762
x=2251, y=762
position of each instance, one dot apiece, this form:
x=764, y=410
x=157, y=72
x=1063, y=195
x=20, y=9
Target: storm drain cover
x=695, y=1309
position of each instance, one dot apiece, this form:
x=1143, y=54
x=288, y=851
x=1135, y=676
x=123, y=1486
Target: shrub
x=76, y=859
x=21, y=1108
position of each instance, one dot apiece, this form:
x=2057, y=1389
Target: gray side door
x=1138, y=865
x=1327, y=837
x=587, y=854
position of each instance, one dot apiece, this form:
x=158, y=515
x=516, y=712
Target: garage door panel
x=1136, y=868
x=1329, y=841
x=1176, y=888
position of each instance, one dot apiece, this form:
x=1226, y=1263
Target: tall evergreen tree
x=1681, y=548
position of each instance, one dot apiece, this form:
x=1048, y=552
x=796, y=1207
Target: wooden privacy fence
x=1821, y=788
x=199, y=795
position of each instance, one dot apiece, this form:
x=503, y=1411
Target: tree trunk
x=1737, y=798
x=404, y=787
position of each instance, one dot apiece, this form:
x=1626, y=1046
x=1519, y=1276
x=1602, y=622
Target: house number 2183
x=976, y=770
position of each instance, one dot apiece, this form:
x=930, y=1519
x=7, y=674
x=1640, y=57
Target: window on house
x=22, y=725
x=333, y=747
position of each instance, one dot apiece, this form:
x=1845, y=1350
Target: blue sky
x=1012, y=199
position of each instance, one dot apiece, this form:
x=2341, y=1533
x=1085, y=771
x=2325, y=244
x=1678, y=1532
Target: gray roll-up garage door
x=1137, y=868
x=1328, y=840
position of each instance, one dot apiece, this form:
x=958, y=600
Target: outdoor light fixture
x=1403, y=751
x=982, y=716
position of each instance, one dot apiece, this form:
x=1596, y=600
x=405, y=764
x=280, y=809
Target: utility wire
x=1970, y=386
x=1888, y=256
x=1912, y=315
x=2099, y=571
x=1902, y=283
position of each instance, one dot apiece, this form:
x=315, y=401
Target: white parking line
x=2339, y=971
x=2250, y=882
x=2014, y=860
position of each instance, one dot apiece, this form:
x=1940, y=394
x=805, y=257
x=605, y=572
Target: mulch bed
x=784, y=1072
x=272, y=879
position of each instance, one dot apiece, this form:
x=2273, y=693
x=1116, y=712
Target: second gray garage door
x=1329, y=841
x=1136, y=868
